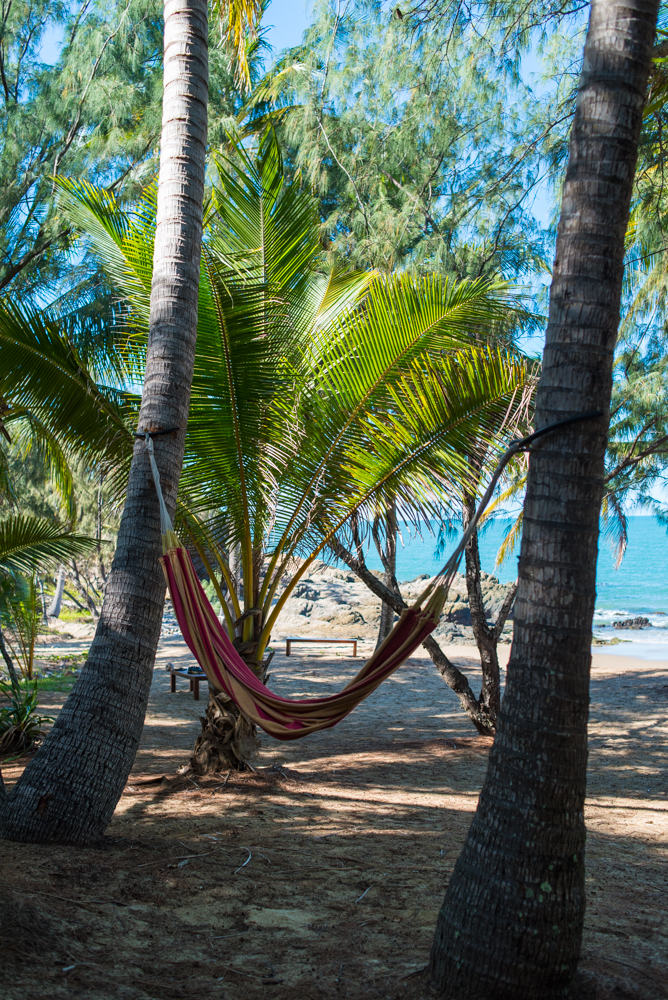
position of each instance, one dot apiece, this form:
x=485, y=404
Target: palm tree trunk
x=511, y=923
x=57, y=602
x=69, y=790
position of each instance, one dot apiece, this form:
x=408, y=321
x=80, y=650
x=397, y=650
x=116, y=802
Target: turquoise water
x=638, y=587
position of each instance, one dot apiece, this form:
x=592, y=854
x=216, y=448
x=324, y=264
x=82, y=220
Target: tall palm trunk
x=69, y=790
x=511, y=923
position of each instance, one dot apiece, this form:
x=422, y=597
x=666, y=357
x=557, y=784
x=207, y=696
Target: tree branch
x=504, y=612
x=631, y=461
x=453, y=677
x=29, y=257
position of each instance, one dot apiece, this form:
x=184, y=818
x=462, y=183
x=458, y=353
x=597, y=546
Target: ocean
x=638, y=588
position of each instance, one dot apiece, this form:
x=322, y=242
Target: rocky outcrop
x=332, y=601
x=633, y=623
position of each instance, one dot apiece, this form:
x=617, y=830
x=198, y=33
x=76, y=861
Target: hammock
x=285, y=718
x=282, y=718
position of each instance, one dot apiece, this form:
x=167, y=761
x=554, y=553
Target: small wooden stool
x=193, y=678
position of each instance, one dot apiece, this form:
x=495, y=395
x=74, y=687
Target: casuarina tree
x=511, y=923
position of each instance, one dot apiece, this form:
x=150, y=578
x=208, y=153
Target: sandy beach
x=321, y=873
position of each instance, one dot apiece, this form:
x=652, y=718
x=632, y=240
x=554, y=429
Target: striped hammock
x=282, y=718
x=285, y=718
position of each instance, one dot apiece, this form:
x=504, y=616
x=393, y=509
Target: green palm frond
x=441, y=410
x=28, y=542
x=42, y=375
x=29, y=434
x=122, y=241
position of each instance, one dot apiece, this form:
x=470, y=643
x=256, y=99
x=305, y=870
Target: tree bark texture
x=511, y=924
x=388, y=557
x=486, y=636
x=69, y=790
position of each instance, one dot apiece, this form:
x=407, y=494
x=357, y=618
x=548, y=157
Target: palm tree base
x=228, y=739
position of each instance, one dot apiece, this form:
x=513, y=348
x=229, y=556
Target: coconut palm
x=512, y=919
x=316, y=395
x=122, y=654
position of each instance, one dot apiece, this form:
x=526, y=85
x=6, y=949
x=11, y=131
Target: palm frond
x=41, y=374
x=28, y=542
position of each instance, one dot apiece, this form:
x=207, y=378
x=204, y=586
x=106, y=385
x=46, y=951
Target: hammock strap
x=169, y=539
x=446, y=575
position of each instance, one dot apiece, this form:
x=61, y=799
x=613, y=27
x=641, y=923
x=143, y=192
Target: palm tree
x=511, y=923
x=309, y=403
x=84, y=779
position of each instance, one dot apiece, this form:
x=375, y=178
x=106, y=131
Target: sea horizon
x=639, y=588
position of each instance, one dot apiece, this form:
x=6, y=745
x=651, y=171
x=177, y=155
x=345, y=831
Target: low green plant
x=20, y=725
x=21, y=618
x=75, y=615
x=56, y=682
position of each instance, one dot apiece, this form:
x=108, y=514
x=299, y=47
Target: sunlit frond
x=26, y=543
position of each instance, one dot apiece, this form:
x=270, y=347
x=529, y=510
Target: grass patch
x=67, y=658
x=57, y=682
x=74, y=615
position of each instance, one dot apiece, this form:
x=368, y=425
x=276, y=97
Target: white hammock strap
x=165, y=519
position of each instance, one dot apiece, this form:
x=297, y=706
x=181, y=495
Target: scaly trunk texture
x=228, y=739
x=57, y=602
x=388, y=557
x=511, y=924
x=68, y=792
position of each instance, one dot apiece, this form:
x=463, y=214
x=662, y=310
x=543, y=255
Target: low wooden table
x=297, y=638
x=193, y=678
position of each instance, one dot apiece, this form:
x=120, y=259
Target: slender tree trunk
x=42, y=600
x=485, y=635
x=57, y=602
x=9, y=663
x=69, y=790
x=453, y=677
x=511, y=924
x=388, y=557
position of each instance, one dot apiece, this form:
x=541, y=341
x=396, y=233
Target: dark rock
x=459, y=613
x=633, y=623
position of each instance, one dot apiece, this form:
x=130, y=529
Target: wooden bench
x=297, y=638
x=193, y=678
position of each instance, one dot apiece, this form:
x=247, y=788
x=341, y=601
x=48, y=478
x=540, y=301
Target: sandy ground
x=321, y=874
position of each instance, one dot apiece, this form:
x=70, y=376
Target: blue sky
x=286, y=19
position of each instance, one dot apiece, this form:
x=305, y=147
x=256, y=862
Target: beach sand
x=321, y=874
